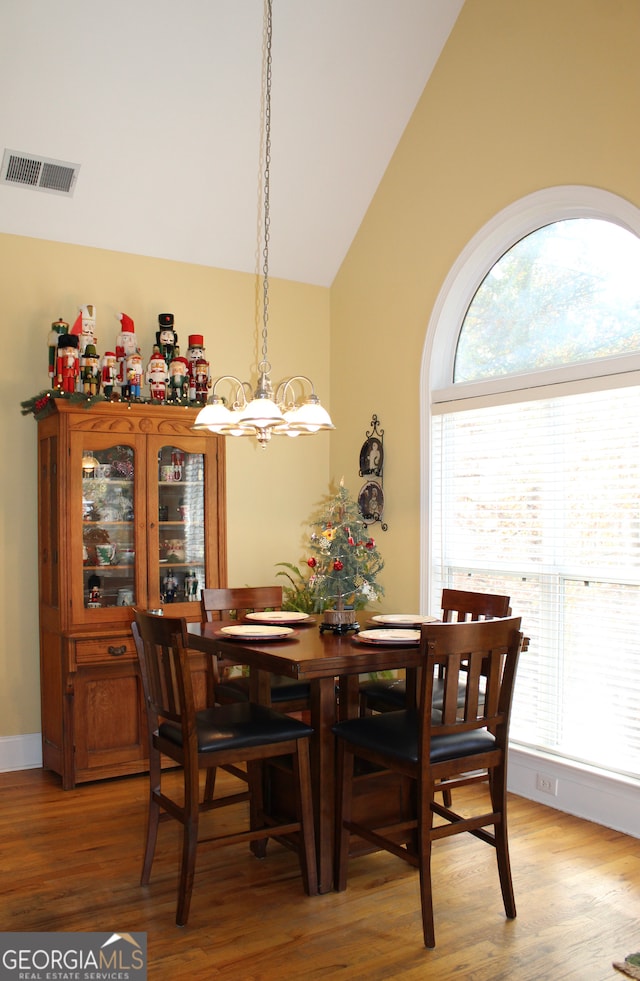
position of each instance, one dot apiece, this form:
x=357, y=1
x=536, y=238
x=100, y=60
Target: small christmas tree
x=346, y=560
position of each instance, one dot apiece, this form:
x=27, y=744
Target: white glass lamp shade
x=260, y=413
x=215, y=417
x=309, y=417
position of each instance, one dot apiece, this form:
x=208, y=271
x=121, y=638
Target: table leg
x=349, y=698
x=259, y=692
x=323, y=717
x=260, y=687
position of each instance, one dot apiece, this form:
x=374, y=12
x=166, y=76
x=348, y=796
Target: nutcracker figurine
x=90, y=371
x=191, y=587
x=203, y=380
x=67, y=363
x=170, y=587
x=166, y=337
x=85, y=326
x=157, y=375
x=134, y=372
x=178, y=377
x=95, y=593
x=126, y=344
x=199, y=374
x=58, y=327
x=109, y=372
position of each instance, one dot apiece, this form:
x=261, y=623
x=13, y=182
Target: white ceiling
x=160, y=104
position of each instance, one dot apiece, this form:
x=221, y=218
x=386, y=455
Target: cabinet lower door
x=109, y=727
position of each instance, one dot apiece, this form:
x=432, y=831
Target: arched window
x=566, y=293
x=532, y=432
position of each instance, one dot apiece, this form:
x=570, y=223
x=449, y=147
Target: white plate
x=277, y=616
x=390, y=636
x=403, y=619
x=256, y=632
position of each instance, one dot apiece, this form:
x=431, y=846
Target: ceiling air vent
x=40, y=173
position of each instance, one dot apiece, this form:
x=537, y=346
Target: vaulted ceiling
x=160, y=104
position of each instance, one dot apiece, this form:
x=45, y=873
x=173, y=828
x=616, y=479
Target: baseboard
x=579, y=790
x=20, y=752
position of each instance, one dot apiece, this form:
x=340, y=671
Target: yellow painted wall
x=526, y=95
x=270, y=492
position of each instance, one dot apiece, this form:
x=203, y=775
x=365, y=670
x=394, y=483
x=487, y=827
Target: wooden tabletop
x=308, y=654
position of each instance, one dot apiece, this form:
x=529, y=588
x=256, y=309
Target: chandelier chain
x=267, y=163
x=262, y=412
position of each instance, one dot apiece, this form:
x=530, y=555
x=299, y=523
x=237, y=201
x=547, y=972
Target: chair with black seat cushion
x=206, y=739
x=453, y=748
x=288, y=694
x=458, y=605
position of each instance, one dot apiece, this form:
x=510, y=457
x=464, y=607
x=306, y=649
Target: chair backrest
x=463, y=605
x=161, y=643
x=222, y=604
x=482, y=655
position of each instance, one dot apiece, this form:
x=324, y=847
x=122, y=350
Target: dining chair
x=453, y=748
x=458, y=605
x=209, y=738
x=288, y=694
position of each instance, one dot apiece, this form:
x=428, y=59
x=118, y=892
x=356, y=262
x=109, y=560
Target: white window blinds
x=540, y=499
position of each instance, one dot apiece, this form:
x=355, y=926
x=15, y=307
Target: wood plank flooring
x=71, y=861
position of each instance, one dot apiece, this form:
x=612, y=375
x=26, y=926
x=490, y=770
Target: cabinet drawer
x=105, y=650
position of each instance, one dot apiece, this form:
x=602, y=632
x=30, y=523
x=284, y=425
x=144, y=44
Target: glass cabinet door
x=108, y=527
x=181, y=524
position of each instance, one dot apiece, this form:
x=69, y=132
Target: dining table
x=331, y=663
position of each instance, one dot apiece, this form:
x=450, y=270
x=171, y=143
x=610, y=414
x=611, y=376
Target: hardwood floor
x=71, y=861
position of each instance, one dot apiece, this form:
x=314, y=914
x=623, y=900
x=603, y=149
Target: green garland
x=43, y=404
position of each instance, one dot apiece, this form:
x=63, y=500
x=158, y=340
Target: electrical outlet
x=548, y=785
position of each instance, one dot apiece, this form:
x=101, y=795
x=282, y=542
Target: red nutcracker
x=126, y=344
x=58, y=327
x=157, y=375
x=195, y=353
x=67, y=363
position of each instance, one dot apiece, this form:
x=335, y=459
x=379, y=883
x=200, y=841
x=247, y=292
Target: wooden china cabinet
x=131, y=511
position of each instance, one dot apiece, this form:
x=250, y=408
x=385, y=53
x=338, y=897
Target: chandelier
x=293, y=409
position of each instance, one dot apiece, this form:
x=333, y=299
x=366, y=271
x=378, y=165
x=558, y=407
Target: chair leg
x=255, y=780
x=308, y=859
x=498, y=791
x=209, y=784
x=191, y=814
x=344, y=790
x=425, y=824
x=153, y=816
